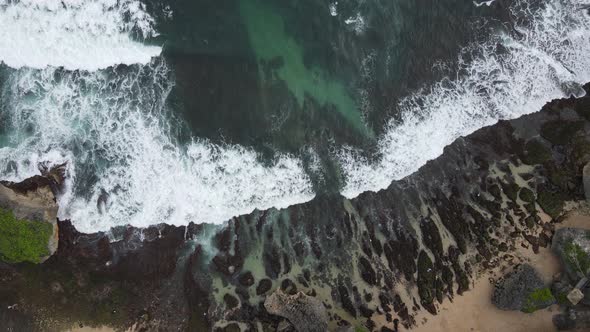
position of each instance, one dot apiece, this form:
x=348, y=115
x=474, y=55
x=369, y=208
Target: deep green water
x=288, y=74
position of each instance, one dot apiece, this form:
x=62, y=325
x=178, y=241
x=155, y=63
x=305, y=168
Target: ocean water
x=197, y=111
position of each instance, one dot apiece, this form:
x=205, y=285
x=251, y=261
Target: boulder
x=572, y=247
x=306, y=313
x=522, y=289
x=575, y=296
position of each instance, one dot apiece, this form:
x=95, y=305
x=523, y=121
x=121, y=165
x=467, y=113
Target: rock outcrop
x=522, y=289
x=28, y=217
x=306, y=313
x=371, y=261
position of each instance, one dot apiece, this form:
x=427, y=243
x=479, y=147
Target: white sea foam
x=114, y=124
x=75, y=34
x=550, y=53
x=111, y=125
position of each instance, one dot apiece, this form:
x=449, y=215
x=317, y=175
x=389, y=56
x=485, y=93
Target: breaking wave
x=113, y=129
x=80, y=88
x=509, y=75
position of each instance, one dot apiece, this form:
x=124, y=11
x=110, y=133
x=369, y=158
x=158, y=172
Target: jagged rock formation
x=370, y=260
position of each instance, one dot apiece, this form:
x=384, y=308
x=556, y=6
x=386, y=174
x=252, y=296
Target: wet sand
x=474, y=310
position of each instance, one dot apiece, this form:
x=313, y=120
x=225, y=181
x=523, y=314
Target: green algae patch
x=561, y=132
x=538, y=299
x=272, y=45
x=536, y=153
x=561, y=298
x=23, y=240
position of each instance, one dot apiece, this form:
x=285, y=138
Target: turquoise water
x=285, y=75
x=271, y=43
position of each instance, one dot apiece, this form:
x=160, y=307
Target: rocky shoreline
x=373, y=262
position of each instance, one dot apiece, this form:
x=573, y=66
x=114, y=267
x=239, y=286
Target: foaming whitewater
x=509, y=76
x=80, y=88
x=113, y=127
x=74, y=34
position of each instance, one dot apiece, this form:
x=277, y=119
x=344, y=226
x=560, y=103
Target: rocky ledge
x=364, y=264
x=28, y=217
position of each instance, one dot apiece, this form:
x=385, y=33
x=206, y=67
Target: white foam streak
x=551, y=53
x=74, y=34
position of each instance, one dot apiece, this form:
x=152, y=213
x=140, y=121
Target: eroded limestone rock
x=306, y=313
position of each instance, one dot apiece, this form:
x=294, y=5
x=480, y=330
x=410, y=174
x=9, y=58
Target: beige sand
x=91, y=329
x=474, y=311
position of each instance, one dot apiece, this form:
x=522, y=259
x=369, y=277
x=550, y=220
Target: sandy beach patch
x=474, y=310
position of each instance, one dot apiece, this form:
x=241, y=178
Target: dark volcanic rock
x=367, y=272
x=263, y=286
x=246, y=279
x=426, y=277
x=516, y=291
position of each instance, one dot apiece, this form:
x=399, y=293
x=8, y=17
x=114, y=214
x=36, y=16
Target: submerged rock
x=306, y=313
x=522, y=289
